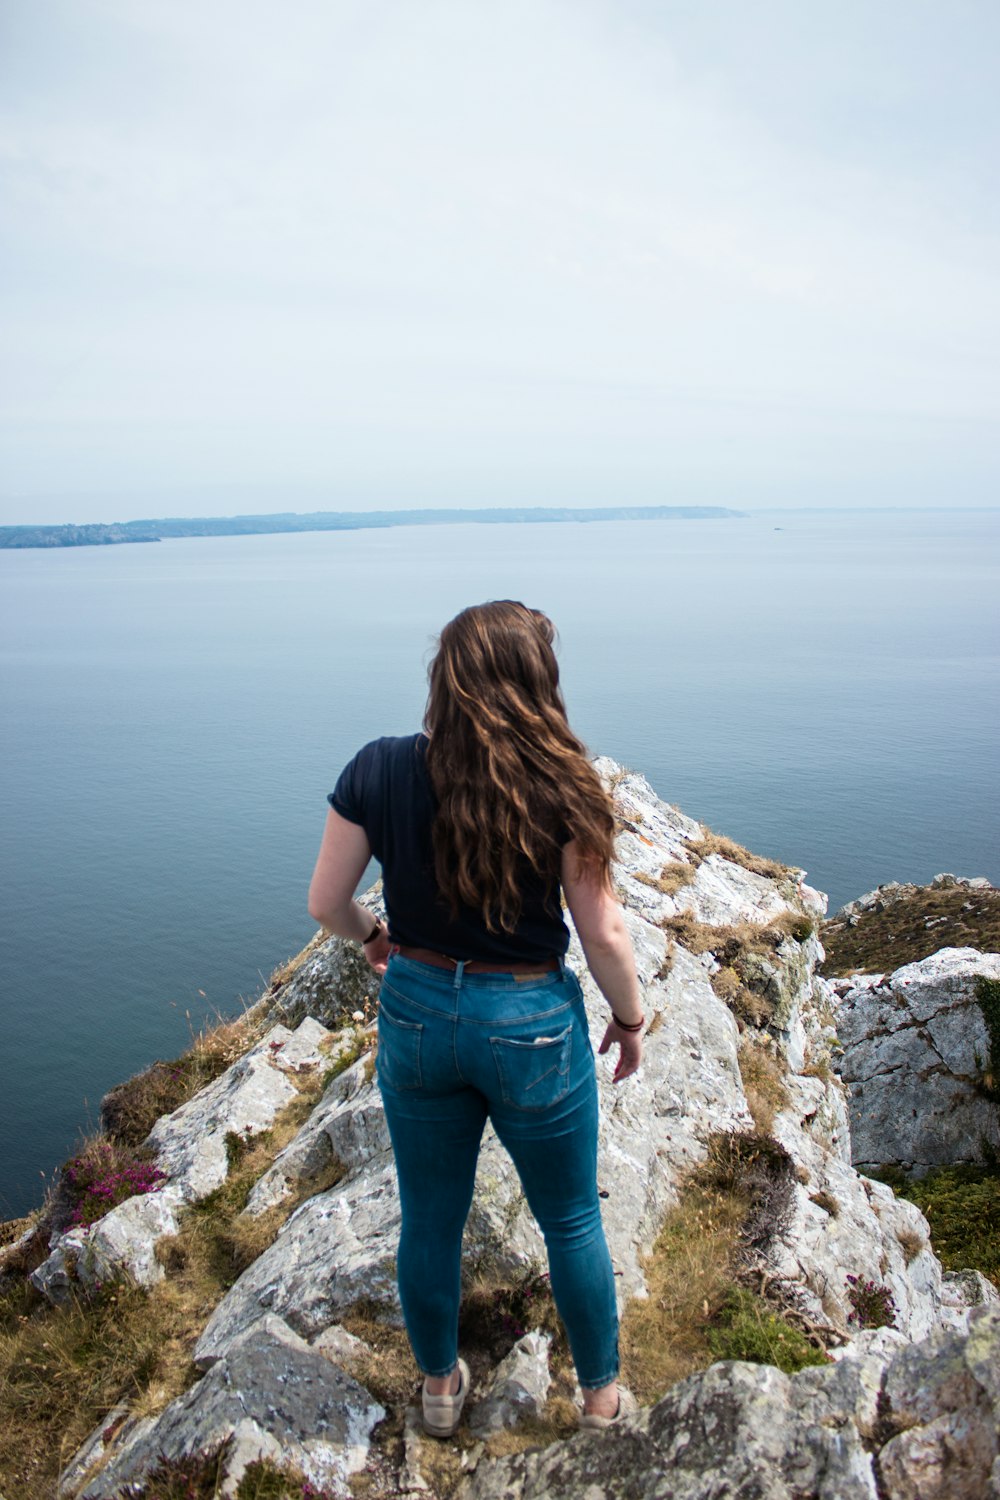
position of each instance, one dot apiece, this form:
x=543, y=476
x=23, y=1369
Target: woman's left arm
x=343, y=855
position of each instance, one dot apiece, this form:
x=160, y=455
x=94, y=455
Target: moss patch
x=911, y=927
x=748, y=1328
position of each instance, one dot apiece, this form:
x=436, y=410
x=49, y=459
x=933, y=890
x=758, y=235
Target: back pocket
x=398, y=1052
x=533, y=1075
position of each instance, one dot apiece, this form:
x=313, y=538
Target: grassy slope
x=911, y=928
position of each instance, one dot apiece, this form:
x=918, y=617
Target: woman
x=477, y=823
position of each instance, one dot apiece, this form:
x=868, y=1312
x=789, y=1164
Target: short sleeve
x=348, y=796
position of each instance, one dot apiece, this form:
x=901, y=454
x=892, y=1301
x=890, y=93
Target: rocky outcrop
x=915, y=1059
x=920, y=1423
x=270, y=1397
x=337, y=1248
x=191, y=1149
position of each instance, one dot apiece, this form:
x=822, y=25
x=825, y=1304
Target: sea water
x=821, y=686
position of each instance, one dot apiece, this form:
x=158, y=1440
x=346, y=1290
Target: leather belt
x=477, y=965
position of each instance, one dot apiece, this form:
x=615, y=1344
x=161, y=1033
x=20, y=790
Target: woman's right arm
x=607, y=948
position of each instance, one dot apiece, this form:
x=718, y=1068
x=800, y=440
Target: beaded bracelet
x=623, y=1026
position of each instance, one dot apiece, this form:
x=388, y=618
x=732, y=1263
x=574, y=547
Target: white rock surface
x=519, y=1388
x=915, y=1048
x=190, y=1144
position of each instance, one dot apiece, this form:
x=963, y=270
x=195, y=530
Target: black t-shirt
x=387, y=790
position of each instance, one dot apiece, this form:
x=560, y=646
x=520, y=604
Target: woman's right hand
x=630, y=1053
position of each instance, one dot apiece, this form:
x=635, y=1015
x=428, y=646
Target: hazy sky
x=328, y=254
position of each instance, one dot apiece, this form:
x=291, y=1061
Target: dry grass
x=826, y=1201
x=763, y=1074
x=61, y=1372
x=729, y=1207
x=758, y=864
x=673, y=877
x=923, y=920
x=748, y=1007
x=911, y=1242
x=688, y=1272
x=818, y=1067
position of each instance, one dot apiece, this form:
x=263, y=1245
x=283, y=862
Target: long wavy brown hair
x=512, y=780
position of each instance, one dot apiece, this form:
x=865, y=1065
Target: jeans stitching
x=512, y=1046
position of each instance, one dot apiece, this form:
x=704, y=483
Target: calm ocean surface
x=820, y=686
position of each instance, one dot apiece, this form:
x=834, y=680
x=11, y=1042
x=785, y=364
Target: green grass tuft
x=748, y=1328
x=962, y=1206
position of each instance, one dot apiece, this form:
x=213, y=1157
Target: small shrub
x=911, y=1243
x=872, y=1303
x=747, y=1328
x=795, y=924
x=493, y=1316
x=757, y=1167
x=197, y=1477
x=103, y=1175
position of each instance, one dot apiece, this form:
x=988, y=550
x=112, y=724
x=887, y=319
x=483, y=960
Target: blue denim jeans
x=457, y=1049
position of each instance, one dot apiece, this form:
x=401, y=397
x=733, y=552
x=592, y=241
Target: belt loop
x=459, y=971
x=562, y=965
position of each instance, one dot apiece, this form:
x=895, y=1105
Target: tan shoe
x=442, y=1414
x=627, y=1407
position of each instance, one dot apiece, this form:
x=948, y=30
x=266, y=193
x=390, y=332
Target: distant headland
x=115, y=532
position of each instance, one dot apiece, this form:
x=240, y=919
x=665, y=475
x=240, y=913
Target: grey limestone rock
x=190, y=1143
x=915, y=1048
x=519, y=1388
x=270, y=1397
x=918, y=1422
x=744, y=1429
x=332, y=982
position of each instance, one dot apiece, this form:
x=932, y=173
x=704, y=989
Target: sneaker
x=627, y=1407
x=442, y=1414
